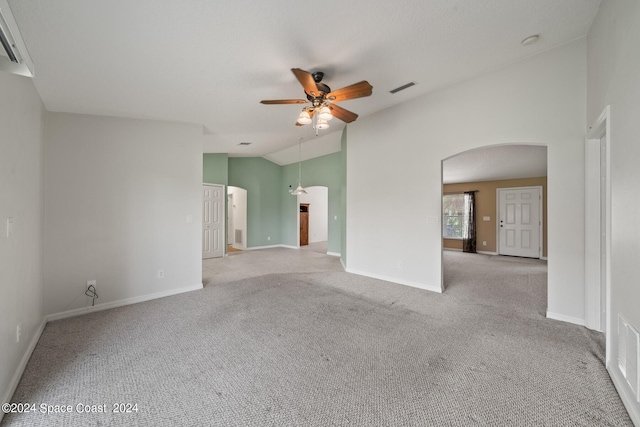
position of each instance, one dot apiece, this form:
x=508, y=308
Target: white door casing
x=598, y=229
x=212, y=221
x=520, y=221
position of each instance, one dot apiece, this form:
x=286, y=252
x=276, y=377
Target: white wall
x=394, y=169
x=318, y=199
x=238, y=213
x=613, y=70
x=117, y=196
x=22, y=119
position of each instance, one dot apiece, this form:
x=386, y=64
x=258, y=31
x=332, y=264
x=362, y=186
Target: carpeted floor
x=292, y=340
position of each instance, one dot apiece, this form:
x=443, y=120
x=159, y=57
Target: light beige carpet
x=323, y=347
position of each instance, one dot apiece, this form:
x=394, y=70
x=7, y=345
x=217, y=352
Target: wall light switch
x=9, y=226
x=189, y=219
x=486, y=218
x=432, y=219
x=335, y=217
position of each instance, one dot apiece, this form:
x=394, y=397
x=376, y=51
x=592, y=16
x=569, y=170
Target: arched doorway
x=494, y=178
x=313, y=223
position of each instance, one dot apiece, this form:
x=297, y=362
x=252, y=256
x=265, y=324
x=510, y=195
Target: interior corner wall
x=22, y=124
x=613, y=67
x=486, y=206
x=343, y=197
x=263, y=181
x=117, y=196
x=323, y=171
x=394, y=169
x=215, y=168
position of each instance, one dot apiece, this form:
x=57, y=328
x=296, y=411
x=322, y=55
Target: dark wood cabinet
x=304, y=224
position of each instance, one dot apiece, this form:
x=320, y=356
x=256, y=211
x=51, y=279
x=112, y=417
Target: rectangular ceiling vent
x=245, y=143
x=403, y=87
x=14, y=57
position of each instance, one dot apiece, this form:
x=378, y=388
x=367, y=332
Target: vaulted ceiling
x=210, y=63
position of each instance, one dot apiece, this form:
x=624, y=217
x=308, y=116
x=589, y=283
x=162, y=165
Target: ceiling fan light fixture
x=325, y=113
x=304, y=118
x=322, y=124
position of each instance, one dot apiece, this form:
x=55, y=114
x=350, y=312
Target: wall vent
x=629, y=355
x=14, y=57
x=245, y=143
x=403, y=87
x=238, y=236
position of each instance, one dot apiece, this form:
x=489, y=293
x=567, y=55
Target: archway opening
x=494, y=224
x=313, y=219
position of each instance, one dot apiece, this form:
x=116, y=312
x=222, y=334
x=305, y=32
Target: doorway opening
x=313, y=219
x=236, y=219
x=505, y=227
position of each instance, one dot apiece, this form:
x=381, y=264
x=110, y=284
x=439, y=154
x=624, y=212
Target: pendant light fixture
x=299, y=190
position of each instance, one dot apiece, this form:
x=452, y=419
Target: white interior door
x=520, y=221
x=212, y=221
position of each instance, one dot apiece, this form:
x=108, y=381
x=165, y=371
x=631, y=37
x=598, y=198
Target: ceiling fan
x=322, y=100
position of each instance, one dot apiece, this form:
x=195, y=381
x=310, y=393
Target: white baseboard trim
x=333, y=254
x=120, y=303
x=487, y=253
x=544, y=258
x=13, y=384
x=629, y=401
x=394, y=280
x=343, y=266
x=452, y=249
x=257, y=248
x=563, y=318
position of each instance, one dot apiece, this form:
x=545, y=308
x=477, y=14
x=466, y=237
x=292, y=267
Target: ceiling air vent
x=14, y=57
x=245, y=143
x=403, y=87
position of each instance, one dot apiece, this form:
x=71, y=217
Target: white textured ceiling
x=496, y=162
x=211, y=63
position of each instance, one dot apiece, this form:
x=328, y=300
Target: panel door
x=212, y=221
x=304, y=228
x=520, y=222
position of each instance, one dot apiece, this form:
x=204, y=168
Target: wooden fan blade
x=306, y=80
x=283, y=101
x=342, y=114
x=357, y=90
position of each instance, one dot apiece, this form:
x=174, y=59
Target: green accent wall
x=322, y=171
x=263, y=181
x=271, y=210
x=215, y=168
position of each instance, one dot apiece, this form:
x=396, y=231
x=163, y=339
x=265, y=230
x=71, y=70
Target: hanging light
x=322, y=124
x=325, y=113
x=299, y=190
x=304, y=118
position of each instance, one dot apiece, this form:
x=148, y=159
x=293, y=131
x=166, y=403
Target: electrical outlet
x=268, y=237
x=400, y=265
x=18, y=332
x=160, y=274
x=91, y=283
x=484, y=243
